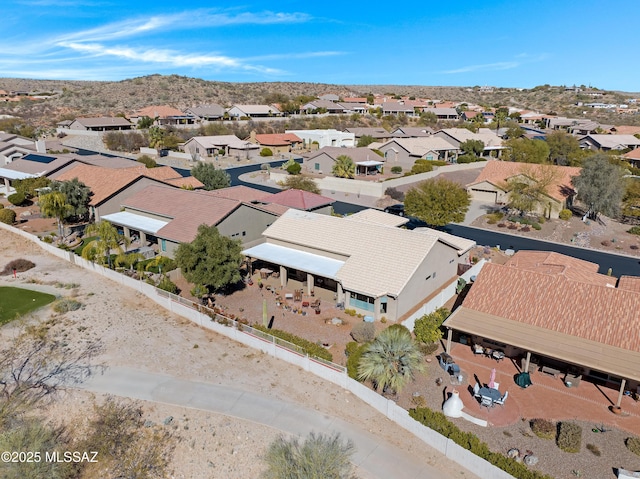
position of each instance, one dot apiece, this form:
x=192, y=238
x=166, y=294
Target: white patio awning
x=293, y=258
x=136, y=222
x=370, y=163
x=15, y=175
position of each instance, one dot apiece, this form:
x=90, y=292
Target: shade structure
x=492, y=379
x=523, y=380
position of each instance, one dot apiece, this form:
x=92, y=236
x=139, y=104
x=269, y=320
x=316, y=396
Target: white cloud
x=485, y=67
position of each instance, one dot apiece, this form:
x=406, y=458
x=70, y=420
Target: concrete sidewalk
x=373, y=455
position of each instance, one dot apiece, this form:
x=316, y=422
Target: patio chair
x=476, y=390
x=478, y=349
x=486, y=401
x=502, y=399
x=496, y=385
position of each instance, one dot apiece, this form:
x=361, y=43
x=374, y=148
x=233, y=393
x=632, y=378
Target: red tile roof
x=299, y=199
x=498, y=172
x=554, y=302
x=278, y=139
x=158, y=111
x=240, y=193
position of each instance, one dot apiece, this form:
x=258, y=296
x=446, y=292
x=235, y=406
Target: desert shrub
x=395, y=193
x=594, y=450
x=350, y=312
x=396, y=169
x=17, y=198
x=565, y=214
x=421, y=166
x=401, y=327
x=428, y=349
x=166, y=284
x=147, y=161
x=634, y=230
x=363, y=332
x=266, y=152
x=512, y=226
x=438, y=422
x=633, y=444
x=355, y=352
x=541, y=220
x=294, y=168
x=525, y=229
x=605, y=243
x=264, y=166
x=501, y=225
x=536, y=226
x=467, y=159
x=20, y=265
x=7, y=216
x=307, y=346
x=427, y=328
x=569, y=437
x=1, y=206
x=199, y=290
x=65, y=305
x=633, y=246
x=543, y=428
x=47, y=239
x=493, y=218
x=439, y=163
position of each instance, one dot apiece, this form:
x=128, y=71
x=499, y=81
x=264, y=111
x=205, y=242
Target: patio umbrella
x=492, y=378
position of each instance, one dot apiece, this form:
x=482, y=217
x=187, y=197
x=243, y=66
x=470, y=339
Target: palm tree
x=108, y=239
x=344, y=167
x=55, y=204
x=391, y=360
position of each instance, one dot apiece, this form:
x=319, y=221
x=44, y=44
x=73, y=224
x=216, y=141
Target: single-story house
x=14, y=147
x=491, y=185
x=104, y=123
x=111, y=186
x=277, y=142
x=450, y=114
x=405, y=151
x=220, y=145
x=163, y=115
x=633, y=157
x=253, y=111
x=322, y=161
x=378, y=134
x=343, y=256
x=609, y=142
x=397, y=108
x=493, y=144
x=323, y=105
x=556, y=311
x=325, y=138
x=206, y=112
x=412, y=132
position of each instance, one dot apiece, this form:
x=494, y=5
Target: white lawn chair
x=502, y=399
x=496, y=385
x=486, y=401
x=476, y=390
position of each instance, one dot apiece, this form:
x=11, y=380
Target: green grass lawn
x=18, y=301
x=85, y=242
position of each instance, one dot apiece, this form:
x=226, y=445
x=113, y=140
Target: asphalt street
x=373, y=455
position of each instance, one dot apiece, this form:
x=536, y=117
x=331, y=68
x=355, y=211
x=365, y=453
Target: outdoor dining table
x=491, y=393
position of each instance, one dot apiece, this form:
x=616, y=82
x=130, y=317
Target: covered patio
x=369, y=167
x=131, y=223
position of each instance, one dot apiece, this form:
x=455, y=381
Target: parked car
x=395, y=209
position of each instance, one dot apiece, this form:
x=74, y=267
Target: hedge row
x=438, y=422
x=308, y=347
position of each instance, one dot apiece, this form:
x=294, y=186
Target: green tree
x=524, y=150
x=294, y=168
x=391, y=360
x=299, y=182
x=144, y=123
x=514, y=131
x=500, y=116
x=365, y=140
x=564, y=149
x=28, y=186
x=600, y=186
x=108, y=240
x=211, y=177
x=472, y=147
x=156, y=137
x=437, y=202
x=77, y=196
x=55, y=205
x=266, y=152
x=344, y=167
x=528, y=191
x=630, y=200
x=427, y=328
x=318, y=457
x=210, y=259
x=428, y=118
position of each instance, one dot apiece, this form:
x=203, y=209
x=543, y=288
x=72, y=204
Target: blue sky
x=445, y=42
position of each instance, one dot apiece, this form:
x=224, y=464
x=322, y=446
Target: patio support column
x=127, y=232
x=526, y=362
x=7, y=185
x=283, y=276
x=449, y=335
x=309, y=283
x=621, y=392
x=340, y=293
x=143, y=238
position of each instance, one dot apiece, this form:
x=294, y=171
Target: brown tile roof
x=554, y=263
x=498, y=172
x=104, y=182
x=299, y=199
x=626, y=130
x=158, y=111
x=278, y=139
x=629, y=283
x=633, y=154
x=187, y=209
x=553, y=302
x=240, y=193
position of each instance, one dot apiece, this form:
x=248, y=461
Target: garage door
x=484, y=195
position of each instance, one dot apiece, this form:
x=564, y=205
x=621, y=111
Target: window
x=316, y=166
x=163, y=245
x=244, y=233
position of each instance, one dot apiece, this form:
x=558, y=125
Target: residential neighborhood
x=323, y=229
